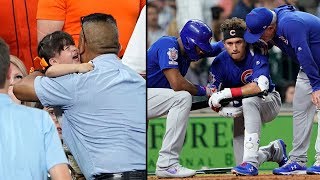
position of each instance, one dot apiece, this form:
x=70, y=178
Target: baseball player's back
x=294, y=28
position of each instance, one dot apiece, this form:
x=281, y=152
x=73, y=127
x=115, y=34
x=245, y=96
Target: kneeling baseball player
x=243, y=70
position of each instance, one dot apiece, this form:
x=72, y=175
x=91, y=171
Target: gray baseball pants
x=303, y=114
x=177, y=105
x=256, y=111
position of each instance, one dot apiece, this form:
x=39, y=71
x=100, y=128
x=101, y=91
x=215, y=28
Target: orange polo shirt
x=126, y=13
x=19, y=28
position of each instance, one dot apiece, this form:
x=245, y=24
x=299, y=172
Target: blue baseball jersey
x=225, y=72
x=165, y=54
x=298, y=35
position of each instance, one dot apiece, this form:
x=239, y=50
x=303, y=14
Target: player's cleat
x=283, y=149
x=175, y=171
x=289, y=168
x=315, y=169
x=245, y=169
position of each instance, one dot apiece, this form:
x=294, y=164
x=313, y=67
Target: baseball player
x=242, y=70
x=297, y=34
x=170, y=93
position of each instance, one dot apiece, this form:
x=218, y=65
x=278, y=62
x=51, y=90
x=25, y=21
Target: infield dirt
x=234, y=177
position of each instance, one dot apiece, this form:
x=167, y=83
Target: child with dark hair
x=59, y=56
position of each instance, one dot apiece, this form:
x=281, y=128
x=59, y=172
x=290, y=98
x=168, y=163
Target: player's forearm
x=251, y=88
x=184, y=85
x=61, y=69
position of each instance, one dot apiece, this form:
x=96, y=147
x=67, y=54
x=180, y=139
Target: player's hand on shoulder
x=231, y=111
x=85, y=67
x=261, y=46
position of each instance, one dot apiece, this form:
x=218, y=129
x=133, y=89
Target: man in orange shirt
x=65, y=15
x=19, y=28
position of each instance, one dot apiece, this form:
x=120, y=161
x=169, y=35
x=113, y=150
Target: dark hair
x=152, y=5
x=99, y=17
x=100, y=33
x=233, y=23
x=4, y=62
x=53, y=44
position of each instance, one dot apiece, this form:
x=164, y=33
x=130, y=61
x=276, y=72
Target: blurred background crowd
x=167, y=17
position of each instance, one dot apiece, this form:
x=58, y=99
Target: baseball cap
x=257, y=21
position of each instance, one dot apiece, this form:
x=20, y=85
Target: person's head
x=4, y=65
x=196, y=37
x=261, y=24
x=18, y=70
x=289, y=93
x=233, y=30
x=53, y=116
x=152, y=15
x=99, y=35
x=58, y=48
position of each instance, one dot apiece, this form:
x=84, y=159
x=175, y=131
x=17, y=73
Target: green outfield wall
x=208, y=142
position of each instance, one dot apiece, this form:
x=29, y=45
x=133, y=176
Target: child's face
x=69, y=55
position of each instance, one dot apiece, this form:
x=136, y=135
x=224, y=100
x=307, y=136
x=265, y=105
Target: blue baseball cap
x=257, y=21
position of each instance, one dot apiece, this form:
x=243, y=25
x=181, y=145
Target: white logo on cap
x=233, y=32
x=264, y=27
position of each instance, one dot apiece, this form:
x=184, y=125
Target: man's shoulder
x=167, y=41
x=221, y=58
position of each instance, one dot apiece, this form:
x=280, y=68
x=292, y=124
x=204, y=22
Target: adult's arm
x=24, y=89
x=299, y=40
x=45, y=27
x=178, y=82
x=60, y=172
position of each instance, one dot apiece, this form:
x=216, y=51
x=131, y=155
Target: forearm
x=60, y=172
x=184, y=85
x=61, y=69
x=24, y=89
x=251, y=88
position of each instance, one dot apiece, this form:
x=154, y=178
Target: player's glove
x=230, y=111
x=217, y=97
